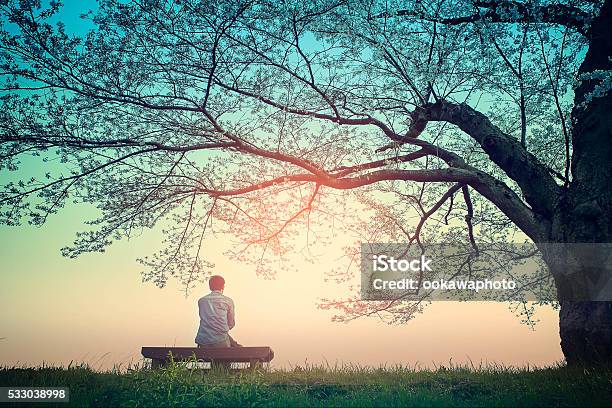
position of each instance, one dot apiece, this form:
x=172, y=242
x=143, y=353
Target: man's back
x=216, y=318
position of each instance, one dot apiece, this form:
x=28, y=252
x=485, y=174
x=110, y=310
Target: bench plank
x=220, y=354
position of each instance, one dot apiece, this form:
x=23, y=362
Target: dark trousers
x=226, y=343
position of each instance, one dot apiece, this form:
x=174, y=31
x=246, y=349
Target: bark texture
x=584, y=211
x=585, y=329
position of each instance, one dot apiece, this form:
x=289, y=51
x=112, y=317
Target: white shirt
x=216, y=318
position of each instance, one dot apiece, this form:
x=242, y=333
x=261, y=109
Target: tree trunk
x=583, y=276
x=585, y=329
x=584, y=212
x=581, y=263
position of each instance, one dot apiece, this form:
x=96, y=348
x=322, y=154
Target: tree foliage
x=396, y=121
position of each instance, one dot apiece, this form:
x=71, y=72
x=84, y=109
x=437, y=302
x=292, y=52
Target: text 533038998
x=34, y=394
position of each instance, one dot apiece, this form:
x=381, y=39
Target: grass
x=323, y=386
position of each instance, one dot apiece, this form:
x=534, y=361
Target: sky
x=95, y=309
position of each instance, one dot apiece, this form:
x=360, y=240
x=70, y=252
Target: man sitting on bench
x=216, y=317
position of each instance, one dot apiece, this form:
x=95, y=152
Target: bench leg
x=254, y=364
x=220, y=365
x=156, y=363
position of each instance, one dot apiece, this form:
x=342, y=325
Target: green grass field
x=323, y=386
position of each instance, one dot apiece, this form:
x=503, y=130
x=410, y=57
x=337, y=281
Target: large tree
x=265, y=115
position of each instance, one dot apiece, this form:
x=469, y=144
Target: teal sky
x=96, y=309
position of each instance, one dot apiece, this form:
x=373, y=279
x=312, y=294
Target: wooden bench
x=161, y=356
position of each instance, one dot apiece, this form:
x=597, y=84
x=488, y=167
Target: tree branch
x=536, y=183
x=492, y=189
x=508, y=11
